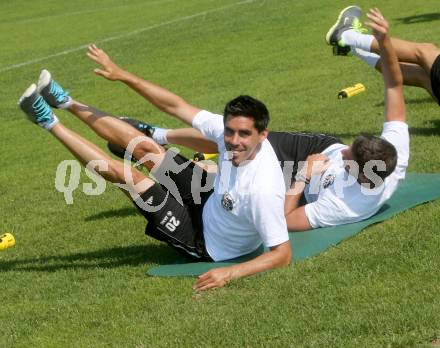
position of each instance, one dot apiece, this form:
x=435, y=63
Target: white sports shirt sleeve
x=326, y=211
x=396, y=132
x=210, y=125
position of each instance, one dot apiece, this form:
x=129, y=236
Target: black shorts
x=435, y=78
x=180, y=225
x=292, y=148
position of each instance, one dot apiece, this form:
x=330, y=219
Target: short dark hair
x=367, y=147
x=247, y=106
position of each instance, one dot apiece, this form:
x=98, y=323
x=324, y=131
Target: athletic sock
x=368, y=57
x=354, y=39
x=160, y=135
x=66, y=104
x=49, y=125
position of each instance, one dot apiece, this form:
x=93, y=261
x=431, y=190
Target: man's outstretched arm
x=160, y=97
x=278, y=256
x=392, y=75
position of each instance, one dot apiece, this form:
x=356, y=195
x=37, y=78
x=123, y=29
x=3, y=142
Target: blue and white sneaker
x=36, y=109
x=52, y=92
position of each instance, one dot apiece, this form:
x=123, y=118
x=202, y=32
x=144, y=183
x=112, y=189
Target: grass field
x=76, y=277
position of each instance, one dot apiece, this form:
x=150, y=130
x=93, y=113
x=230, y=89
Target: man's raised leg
x=413, y=74
x=39, y=112
x=423, y=54
x=111, y=170
x=116, y=131
x=416, y=59
x=103, y=124
x=348, y=31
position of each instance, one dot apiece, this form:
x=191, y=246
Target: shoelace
x=42, y=110
x=57, y=91
x=357, y=26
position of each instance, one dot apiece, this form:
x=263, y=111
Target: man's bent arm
x=278, y=256
x=160, y=97
x=296, y=217
x=192, y=138
x=297, y=220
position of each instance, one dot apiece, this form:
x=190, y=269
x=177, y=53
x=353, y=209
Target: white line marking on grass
x=64, y=14
x=75, y=13
x=121, y=36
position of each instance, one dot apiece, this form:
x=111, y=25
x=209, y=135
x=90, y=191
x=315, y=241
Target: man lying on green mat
x=376, y=164
x=226, y=222
x=241, y=212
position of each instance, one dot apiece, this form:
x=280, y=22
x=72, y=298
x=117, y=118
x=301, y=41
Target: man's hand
x=109, y=70
x=378, y=23
x=160, y=97
x=215, y=278
x=316, y=164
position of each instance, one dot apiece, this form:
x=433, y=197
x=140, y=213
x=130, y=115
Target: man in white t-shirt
x=364, y=175
x=360, y=178
x=243, y=211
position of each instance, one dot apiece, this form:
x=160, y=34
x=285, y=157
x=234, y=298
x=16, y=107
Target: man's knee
x=147, y=146
x=426, y=48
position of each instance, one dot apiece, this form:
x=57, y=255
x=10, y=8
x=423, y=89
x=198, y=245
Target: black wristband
x=302, y=178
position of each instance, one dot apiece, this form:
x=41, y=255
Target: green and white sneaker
x=342, y=51
x=52, y=92
x=36, y=109
x=143, y=127
x=349, y=18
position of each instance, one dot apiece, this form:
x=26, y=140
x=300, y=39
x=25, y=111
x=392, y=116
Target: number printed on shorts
x=170, y=221
x=172, y=224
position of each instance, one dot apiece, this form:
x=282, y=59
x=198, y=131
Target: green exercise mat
x=415, y=190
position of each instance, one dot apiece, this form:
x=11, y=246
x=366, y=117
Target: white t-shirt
x=247, y=205
x=332, y=201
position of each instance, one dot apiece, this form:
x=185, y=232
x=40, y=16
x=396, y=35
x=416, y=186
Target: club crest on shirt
x=329, y=180
x=228, y=201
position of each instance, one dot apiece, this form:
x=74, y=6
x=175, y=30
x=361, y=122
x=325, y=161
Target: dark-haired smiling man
x=364, y=175
x=243, y=210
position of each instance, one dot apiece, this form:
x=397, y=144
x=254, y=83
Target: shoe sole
x=332, y=29
x=27, y=93
x=43, y=80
